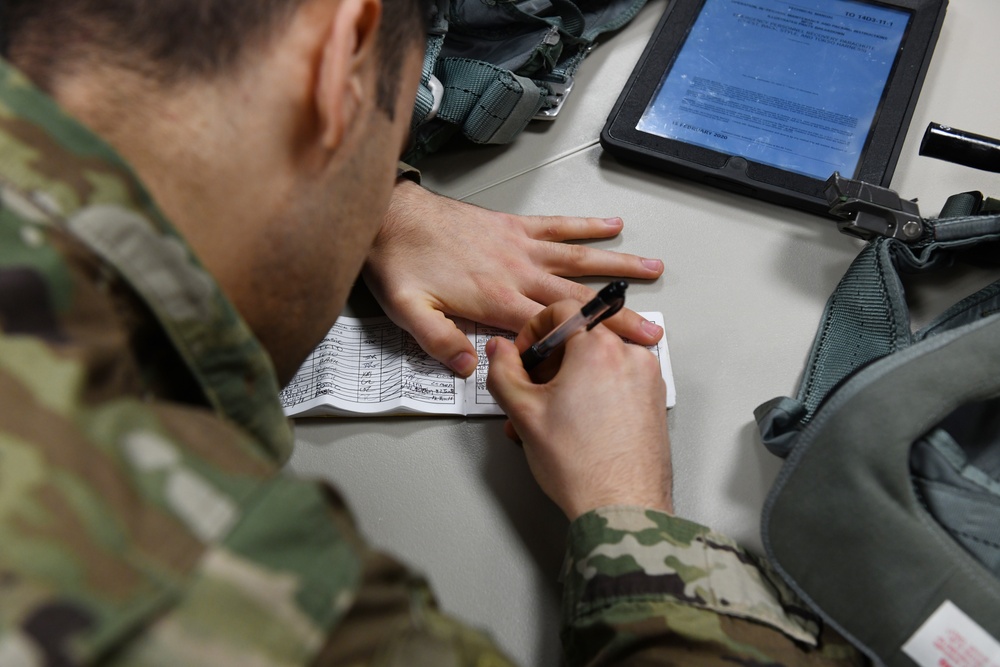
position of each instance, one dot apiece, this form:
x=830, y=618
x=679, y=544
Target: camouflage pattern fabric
x=646, y=588
x=144, y=517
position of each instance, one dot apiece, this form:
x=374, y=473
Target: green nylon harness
x=491, y=67
x=888, y=504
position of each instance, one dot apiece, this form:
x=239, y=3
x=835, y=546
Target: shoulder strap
x=866, y=317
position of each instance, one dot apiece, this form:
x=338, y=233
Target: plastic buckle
x=871, y=210
x=437, y=94
x=558, y=92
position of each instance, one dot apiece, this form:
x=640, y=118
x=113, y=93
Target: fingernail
x=491, y=347
x=651, y=329
x=463, y=363
x=653, y=264
x=613, y=222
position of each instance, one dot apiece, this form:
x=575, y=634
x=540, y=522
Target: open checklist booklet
x=372, y=367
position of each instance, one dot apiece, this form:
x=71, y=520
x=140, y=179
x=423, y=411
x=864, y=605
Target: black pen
x=607, y=302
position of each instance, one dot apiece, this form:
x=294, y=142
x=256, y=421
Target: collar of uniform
x=56, y=171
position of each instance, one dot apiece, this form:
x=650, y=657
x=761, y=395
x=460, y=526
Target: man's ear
x=346, y=69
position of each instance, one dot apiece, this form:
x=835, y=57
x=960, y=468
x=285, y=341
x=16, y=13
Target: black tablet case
x=621, y=138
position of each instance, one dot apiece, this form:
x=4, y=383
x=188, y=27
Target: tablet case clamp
x=871, y=211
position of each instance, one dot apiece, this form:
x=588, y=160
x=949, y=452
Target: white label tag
x=949, y=638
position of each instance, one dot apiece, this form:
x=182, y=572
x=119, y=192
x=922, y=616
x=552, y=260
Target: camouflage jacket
x=144, y=517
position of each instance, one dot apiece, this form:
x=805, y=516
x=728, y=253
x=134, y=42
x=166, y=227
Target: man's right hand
x=595, y=431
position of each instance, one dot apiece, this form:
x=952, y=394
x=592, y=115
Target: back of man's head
x=169, y=41
x=267, y=131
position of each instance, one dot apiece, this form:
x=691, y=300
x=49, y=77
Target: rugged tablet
x=770, y=97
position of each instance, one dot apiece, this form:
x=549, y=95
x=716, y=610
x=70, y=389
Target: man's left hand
x=436, y=257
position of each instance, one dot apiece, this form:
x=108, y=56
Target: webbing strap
x=965, y=203
x=426, y=95
x=490, y=104
x=966, y=229
x=437, y=28
x=867, y=318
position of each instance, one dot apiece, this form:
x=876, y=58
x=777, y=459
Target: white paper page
x=662, y=353
x=480, y=402
x=370, y=366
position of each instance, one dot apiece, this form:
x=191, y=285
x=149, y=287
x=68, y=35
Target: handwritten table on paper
x=371, y=366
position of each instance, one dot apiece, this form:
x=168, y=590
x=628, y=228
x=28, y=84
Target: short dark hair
x=170, y=40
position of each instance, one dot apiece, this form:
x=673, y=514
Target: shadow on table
x=539, y=523
x=757, y=469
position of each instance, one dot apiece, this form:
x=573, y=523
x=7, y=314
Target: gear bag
x=492, y=66
x=885, y=516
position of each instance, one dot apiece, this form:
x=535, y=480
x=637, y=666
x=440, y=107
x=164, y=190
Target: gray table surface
x=744, y=286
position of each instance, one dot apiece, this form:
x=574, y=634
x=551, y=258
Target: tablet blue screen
x=794, y=85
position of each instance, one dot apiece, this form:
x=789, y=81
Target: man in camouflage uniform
x=143, y=516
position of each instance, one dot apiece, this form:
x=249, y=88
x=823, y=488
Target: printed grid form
x=371, y=366
x=483, y=334
x=370, y=361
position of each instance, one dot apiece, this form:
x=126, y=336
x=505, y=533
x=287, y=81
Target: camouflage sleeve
x=394, y=621
x=644, y=587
